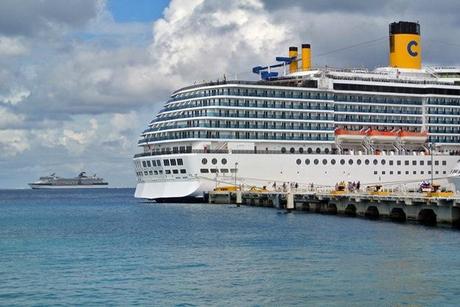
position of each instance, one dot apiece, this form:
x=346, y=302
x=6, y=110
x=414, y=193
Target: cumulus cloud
x=12, y=46
x=10, y=119
x=13, y=142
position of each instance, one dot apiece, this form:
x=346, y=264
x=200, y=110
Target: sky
x=81, y=79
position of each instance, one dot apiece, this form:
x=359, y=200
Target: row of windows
x=166, y=162
x=301, y=150
x=262, y=114
x=368, y=161
x=395, y=89
x=408, y=173
x=204, y=161
x=300, y=94
x=286, y=125
x=160, y=172
x=249, y=103
x=215, y=170
x=314, y=136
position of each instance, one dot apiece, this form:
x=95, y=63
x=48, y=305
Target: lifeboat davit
x=350, y=135
x=383, y=136
x=413, y=137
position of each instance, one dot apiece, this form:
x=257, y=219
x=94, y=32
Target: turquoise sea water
x=104, y=247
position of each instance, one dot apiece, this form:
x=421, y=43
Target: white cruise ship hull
x=322, y=171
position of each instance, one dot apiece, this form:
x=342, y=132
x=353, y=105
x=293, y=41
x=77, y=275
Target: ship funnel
x=306, y=57
x=293, y=53
x=405, y=47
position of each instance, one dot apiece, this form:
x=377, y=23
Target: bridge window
x=204, y=171
x=183, y=171
x=180, y=162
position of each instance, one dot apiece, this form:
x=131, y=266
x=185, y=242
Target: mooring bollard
x=290, y=201
x=239, y=198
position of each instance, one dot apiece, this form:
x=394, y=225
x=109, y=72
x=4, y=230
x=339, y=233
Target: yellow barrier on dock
x=230, y=188
x=440, y=194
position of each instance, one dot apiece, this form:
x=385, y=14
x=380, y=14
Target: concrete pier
x=397, y=207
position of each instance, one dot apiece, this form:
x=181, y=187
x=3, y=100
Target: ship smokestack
x=293, y=53
x=405, y=46
x=306, y=57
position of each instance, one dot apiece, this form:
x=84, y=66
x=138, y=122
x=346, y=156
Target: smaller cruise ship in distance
x=82, y=181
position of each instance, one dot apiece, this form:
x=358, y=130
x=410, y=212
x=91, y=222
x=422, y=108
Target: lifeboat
x=413, y=137
x=349, y=135
x=382, y=136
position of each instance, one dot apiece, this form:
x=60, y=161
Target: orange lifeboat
x=349, y=135
x=413, y=137
x=382, y=136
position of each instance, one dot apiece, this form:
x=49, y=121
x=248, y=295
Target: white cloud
x=12, y=46
x=15, y=96
x=9, y=119
x=13, y=142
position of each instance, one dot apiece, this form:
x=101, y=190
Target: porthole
x=292, y=150
x=307, y=161
x=326, y=151
x=324, y=161
x=298, y=161
x=204, y=161
x=283, y=149
x=383, y=162
x=316, y=161
x=318, y=150
x=375, y=161
x=301, y=150
x=358, y=161
x=224, y=161
x=350, y=162
x=309, y=150
x=333, y=161
x=214, y=161
x=366, y=161
x=342, y=161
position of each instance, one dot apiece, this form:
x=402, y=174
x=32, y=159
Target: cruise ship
x=394, y=126
x=82, y=181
